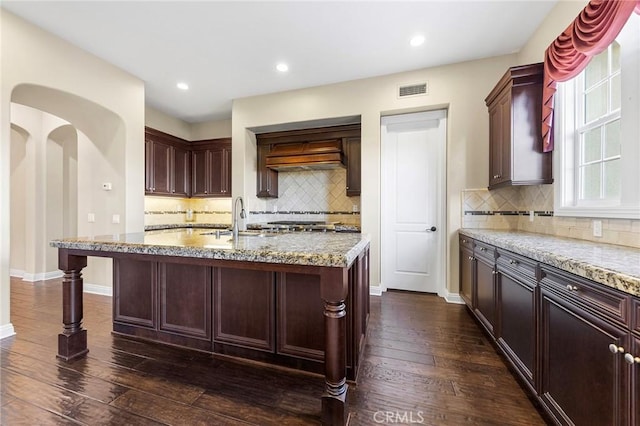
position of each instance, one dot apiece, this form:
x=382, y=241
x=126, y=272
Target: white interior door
x=412, y=214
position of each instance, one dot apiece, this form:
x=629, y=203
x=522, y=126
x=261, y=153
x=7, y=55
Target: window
x=597, y=157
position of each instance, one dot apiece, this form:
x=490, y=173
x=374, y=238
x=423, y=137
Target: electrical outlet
x=597, y=228
x=91, y=217
x=531, y=215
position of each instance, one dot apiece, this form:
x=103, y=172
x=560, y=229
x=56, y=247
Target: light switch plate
x=115, y=218
x=597, y=228
x=91, y=217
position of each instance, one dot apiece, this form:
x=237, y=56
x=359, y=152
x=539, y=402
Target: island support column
x=334, y=284
x=72, y=342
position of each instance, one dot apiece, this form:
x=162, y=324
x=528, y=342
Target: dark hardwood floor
x=426, y=362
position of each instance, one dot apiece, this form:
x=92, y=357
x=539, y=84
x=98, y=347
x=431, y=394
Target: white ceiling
x=228, y=50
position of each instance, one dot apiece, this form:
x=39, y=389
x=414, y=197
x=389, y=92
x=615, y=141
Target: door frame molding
x=441, y=191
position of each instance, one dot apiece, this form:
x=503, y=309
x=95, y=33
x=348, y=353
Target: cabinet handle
x=483, y=249
x=630, y=359
x=615, y=348
x=572, y=287
x=513, y=262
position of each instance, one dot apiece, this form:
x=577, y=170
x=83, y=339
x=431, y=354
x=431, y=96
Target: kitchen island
x=296, y=299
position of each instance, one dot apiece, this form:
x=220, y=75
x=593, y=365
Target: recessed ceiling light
x=282, y=67
x=417, y=40
x=182, y=85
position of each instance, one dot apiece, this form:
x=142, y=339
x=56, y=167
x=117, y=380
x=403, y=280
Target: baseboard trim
x=97, y=289
x=7, y=330
x=375, y=291
x=16, y=273
x=42, y=276
x=453, y=298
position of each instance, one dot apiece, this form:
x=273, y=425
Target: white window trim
x=564, y=164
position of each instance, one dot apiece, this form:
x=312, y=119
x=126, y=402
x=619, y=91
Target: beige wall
x=102, y=101
x=188, y=131
x=553, y=25
x=460, y=87
x=165, y=123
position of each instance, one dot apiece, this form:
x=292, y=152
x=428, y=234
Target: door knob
x=432, y=229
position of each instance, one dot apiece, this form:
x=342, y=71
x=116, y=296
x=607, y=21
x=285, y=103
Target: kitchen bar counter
x=614, y=266
x=295, y=299
x=296, y=248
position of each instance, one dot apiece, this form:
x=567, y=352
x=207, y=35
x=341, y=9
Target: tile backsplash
x=311, y=195
x=303, y=195
x=511, y=207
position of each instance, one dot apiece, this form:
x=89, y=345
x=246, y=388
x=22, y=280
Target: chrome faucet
x=234, y=213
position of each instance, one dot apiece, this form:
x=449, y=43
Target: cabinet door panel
x=244, y=308
x=267, y=179
x=634, y=398
x=300, y=316
x=134, y=292
x=216, y=184
x=199, y=161
x=466, y=276
x=181, y=176
x=485, y=294
x=516, y=299
x=582, y=381
x=352, y=150
x=185, y=299
x=161, y=168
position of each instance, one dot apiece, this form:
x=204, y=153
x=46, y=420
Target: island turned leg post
x=334, y=285
x=72, y=342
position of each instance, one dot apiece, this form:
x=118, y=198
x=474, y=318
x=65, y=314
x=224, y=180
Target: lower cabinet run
x=575, y=344
x=273, y=317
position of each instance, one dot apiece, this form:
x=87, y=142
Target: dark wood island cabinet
x=573, y=342
x=297, y=300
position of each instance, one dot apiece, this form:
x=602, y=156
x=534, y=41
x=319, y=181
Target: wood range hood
x=312, y=155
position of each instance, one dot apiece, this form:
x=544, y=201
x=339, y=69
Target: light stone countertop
x=299, y=248
x=612, y=265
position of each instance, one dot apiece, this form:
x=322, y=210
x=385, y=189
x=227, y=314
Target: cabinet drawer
x=635, y=315
x=485, y=251
x=466, y=242
x=518, y=264
x=606, y=302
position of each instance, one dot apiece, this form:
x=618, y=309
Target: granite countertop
x=300, y=248
x=608, y=264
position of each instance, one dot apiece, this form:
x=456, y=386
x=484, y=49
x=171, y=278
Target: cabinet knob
x=494, y=272
x=464, y=241
x=347, y=187
x=497, y=176
x=483, y=249
x=630, y=359
x=615, y=348
x=513, y=262
x=572, y=287
x=471, y=258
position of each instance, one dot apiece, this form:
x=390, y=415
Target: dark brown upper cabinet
x=515, y=140
x=167, y=164
x=211, y=168
x=267, y=179
x=352, y=149
x=347, y=137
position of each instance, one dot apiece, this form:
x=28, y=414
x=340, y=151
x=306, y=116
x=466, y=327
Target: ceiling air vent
x=412, y=90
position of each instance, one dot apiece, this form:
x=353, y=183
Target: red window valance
x=590, y=33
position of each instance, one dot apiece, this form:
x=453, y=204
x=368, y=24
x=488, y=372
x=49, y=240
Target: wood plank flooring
x=426, y=362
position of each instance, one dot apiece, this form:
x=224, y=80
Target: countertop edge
x=603, y=275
